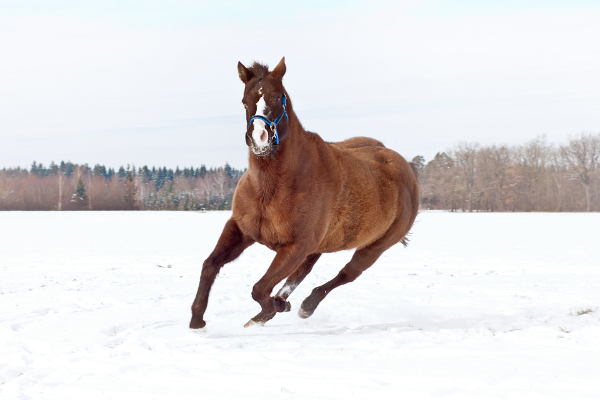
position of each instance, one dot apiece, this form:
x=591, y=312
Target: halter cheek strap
x=272, y=124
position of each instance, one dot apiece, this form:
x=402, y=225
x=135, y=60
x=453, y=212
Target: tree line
x=68, y=186
x=535, y=176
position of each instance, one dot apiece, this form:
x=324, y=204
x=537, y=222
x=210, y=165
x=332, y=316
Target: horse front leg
x=290, y=284
x=287, y=260
x=231, y=244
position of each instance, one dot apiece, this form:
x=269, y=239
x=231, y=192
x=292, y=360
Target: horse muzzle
x=259, y=139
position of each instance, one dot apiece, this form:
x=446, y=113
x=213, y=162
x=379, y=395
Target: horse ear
x=244, y=73
x=279, y=70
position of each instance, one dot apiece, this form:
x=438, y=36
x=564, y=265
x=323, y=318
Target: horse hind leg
x=286, y=290
x=361, y=261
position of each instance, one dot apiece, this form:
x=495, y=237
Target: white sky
x=118, y=82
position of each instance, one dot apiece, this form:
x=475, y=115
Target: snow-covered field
x=96, y=305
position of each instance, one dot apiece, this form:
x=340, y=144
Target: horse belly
x=357, y=230
x=364, y=213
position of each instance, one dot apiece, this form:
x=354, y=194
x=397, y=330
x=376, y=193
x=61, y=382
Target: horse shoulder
x=244, y=206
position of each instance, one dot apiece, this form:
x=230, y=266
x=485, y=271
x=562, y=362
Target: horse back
x=357, y=142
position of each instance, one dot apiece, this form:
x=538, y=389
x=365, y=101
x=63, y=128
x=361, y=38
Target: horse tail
x=415, y=171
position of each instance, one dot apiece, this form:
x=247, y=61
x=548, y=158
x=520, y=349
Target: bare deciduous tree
x=582, y=154
x=535, y=157
x=60, y=190
x=4, y=190
x=464, y=156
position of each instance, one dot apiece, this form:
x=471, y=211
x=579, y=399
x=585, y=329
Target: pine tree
x=121, y=174
x=419, y=162
x=145, y=174
x=53, y=168
x=79, y=198
x=67, y=168
x=42, y=170
x=99, y=170
x=228, y=170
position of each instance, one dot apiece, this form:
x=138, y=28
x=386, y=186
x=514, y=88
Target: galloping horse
x=302, y=196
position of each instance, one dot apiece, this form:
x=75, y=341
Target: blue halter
x=272, y=124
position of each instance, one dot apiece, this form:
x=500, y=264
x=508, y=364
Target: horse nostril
x=263, y=136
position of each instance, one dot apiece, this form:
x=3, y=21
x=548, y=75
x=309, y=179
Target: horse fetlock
x=281, y=305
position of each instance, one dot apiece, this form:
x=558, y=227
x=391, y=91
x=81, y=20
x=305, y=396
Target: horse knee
x=209, y=269
x=258, y=293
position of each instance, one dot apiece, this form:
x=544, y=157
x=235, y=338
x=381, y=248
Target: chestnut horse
x=302, y=196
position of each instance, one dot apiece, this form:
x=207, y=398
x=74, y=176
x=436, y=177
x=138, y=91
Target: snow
x=96, y=305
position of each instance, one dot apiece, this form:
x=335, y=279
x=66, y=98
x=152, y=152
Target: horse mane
x=259, y=70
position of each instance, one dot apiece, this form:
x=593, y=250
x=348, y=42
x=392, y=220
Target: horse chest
x=267, y=225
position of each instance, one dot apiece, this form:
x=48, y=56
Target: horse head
x=265, y=100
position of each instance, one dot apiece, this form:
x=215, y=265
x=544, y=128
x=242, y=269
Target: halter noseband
x=272, y=124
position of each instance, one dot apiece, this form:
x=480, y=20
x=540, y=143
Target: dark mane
x=259, y=70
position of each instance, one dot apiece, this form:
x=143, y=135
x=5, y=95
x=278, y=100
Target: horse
x=302, y=196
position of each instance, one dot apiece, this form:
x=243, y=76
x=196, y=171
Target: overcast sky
x=118, y=82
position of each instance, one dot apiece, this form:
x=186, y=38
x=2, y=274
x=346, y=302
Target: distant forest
x=68, y=186
x=535, y=176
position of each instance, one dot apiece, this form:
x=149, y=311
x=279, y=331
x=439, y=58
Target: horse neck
x=266, y=170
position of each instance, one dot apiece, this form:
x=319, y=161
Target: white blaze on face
x=260, y=135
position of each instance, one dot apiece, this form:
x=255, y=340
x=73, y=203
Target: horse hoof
x=252, y=323
x=288, y=307
x=302, y=313
x=197, y=323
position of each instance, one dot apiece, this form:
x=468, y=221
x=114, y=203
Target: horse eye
x=277, y=99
